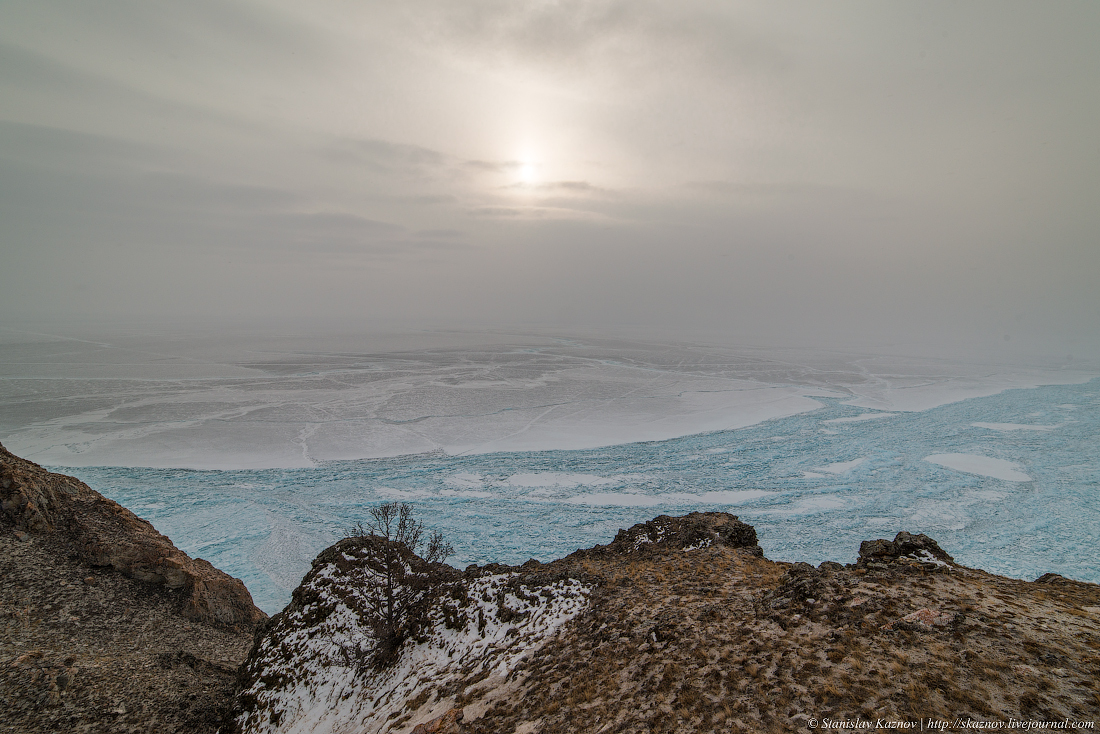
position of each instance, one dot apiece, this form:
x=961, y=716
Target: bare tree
x=405, y=585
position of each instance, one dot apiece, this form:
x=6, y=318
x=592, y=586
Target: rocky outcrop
x=681, y=625
x=689, y=532
x=102, y=533
x=905, y=546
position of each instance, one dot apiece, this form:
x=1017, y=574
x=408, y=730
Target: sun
x=527, y=172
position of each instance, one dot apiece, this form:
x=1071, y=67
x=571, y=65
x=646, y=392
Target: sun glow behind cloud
x=527, y=172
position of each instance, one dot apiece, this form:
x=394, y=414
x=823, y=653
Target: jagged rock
x=101, y=532
x=690, y=532
x=904, y=545
x=69, y=649
x=808, y=592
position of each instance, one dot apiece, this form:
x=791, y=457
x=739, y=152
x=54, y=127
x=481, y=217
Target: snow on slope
x=306, y=677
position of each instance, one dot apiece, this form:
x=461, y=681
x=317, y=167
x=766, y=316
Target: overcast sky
x=765, y=171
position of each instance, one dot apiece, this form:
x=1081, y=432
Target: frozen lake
x=257, y=457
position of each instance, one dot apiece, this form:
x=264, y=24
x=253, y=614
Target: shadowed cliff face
x=101, y=532
x=681, y=625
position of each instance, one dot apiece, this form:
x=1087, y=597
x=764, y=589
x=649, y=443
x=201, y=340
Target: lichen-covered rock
x=102, y=532
x=923, y=619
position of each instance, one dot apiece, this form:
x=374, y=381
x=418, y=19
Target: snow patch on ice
x=616, y=499
x=1013, y=427
x=859, y=418
x=465, y=493
x=812, y=505
x=981, y=465
x=557, y=479
x=622, y=499
x=465, y=479
x=841, y=467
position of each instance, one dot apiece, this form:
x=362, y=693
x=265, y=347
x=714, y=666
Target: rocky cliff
x=681, y=625
x=104, y=624
x=103, y=533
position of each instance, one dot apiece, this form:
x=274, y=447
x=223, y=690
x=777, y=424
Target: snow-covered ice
x=985, y=466
x=557, y=479
x=860, y=418
x=292, y=403
x=623, y=499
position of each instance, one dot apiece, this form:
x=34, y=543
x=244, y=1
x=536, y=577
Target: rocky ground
x=104, y=625
x=686, y=627
x=89, y=650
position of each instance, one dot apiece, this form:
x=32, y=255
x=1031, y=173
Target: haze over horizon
x=785, y=173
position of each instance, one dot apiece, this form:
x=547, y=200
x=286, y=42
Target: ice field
x=819, y=452
x=1016, y=502
x=212, y=404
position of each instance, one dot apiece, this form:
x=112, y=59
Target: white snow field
x=534, y=447
x=217, y=404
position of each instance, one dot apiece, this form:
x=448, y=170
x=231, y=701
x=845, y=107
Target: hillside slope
x=681, y=625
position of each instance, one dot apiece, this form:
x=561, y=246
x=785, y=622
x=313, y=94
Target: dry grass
x=729, y=658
